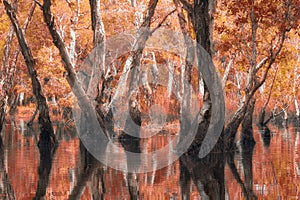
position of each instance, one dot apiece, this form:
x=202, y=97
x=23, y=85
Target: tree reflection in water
x=89, y=169
x=207, y=174
x=47, y=153
x=6, y=189
x=247, y=185
x=131, y=144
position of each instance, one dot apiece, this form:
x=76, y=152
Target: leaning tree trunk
x=254, y=81
x=247, y=139
x=47, y=132
x=8, y=69
x=135, y=62
x=83, y=100
x=3, y=75
x=261, y=119
x=185, y=108
x=100, y=83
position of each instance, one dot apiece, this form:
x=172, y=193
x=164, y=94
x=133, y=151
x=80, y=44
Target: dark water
x=271, y=170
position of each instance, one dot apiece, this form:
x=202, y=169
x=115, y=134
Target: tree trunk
x=253, y=81
x=208, y=133
x=261, y=119
x=133, y=121
x=4, y=86
x=84, y=102
x=185, y=108
x=98, y=52
x=47, y=132
x=247, y=138
x=74, y=22
x=202, y=25
x=226, y=73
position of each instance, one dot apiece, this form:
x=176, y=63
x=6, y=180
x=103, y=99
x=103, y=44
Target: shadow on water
x=207, y=174
x=6, y=189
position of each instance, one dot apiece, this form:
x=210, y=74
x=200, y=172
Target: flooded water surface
x=271, y=170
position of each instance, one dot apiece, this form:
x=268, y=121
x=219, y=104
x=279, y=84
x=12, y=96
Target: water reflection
x=131, y=144
x=89, y=168
x=69, y=172
x=46, y=156
x=207, y=175
x=246, y=158
x=6, y=189
x=266, y=135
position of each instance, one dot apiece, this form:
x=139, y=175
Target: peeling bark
x=226, y=73
x=4, y=87
x=74, y=22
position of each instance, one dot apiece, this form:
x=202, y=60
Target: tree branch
x=47, y=132
x=162, y=21
x=76, y=86
x=39, y=4
x=187, y=6
x=261, y=63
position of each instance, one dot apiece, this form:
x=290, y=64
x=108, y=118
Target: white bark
x=99, y=40
x=154, y=70
x=226, y=73
x=74, y=22
x=296, y=107
x=170, y=80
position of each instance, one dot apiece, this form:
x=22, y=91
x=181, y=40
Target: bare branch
x=162, y=21
x=261, y=63
x=39, y=4
x=76, y=86
x=187, y=6
x=226, y=73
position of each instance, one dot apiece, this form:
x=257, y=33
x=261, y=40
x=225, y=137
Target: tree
x=8, y=67
x=258, y=71
x=47, y=132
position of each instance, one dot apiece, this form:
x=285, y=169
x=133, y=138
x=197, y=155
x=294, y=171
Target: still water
x=271, y=170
